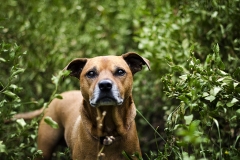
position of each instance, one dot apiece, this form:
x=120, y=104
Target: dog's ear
x=76, y=66
x=135, y=61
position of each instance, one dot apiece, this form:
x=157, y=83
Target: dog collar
x=106, y=140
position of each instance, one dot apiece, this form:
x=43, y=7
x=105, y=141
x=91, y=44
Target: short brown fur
x=106, y=87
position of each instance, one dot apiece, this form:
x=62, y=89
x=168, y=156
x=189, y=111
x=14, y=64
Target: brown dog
x=98, y=122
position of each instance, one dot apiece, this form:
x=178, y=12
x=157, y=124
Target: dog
x=98, y=121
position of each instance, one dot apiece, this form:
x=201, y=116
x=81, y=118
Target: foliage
x=21, y=133
x=55, y=32
x=190, y=97
x=166, y=34
x=205, y=124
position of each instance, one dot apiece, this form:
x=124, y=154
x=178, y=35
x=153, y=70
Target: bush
x=22, y=134
x=205, y=124
x=165, y=36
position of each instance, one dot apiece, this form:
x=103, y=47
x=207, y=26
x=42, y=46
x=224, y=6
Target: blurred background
x=39, y=38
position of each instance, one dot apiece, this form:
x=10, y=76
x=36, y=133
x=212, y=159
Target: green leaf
x=205, y=94
x=215, y=90
x=217, y=124
x=220, y=79
x=19, y=70
x=233, y=101
x=236, y=141
x=183, y=77
x=188, y=119
x=222, y=73
x=186, y=156
x=2, y=59
x=126, y=155
x=10, y=94
x=58, y=96
x=2, y=147
x=185, y=43
x=235, y=84
x=51, y=122
x=216, y=49
x=220, y=104
x=210, y=98
x=177, y=68
x=238, y=112
x=168, y=58
x=65, y=73
x=21, y=122
x=191, y=64
x=234, y=118
x=13, y=86
x=220, y=64
x=55, y=79
x=214, y=15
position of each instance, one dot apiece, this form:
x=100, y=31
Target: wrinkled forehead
x=106, y=62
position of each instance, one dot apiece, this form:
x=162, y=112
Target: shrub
x=165, y=32
x=21, y=133
x=205, y=124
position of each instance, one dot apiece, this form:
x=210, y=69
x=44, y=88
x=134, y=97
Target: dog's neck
x=108, y=120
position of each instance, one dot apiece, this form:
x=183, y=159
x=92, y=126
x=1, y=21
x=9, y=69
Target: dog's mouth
x=106, y=101
x=106, y=93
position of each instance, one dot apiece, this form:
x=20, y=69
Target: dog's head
x=106, y=80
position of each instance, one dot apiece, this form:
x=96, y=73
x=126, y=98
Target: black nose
x=105, y=85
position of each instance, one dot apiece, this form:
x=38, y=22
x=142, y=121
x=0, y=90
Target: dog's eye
x=120, y=72
x=91, y=74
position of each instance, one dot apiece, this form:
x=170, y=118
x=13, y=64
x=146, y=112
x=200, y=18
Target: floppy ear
x=135, y=61
x=76, y=66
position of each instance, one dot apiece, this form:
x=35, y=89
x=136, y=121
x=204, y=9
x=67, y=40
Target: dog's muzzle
x=106, y=93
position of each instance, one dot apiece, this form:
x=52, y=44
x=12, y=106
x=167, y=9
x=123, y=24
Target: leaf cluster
x=21, y=133
x=205, y=124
